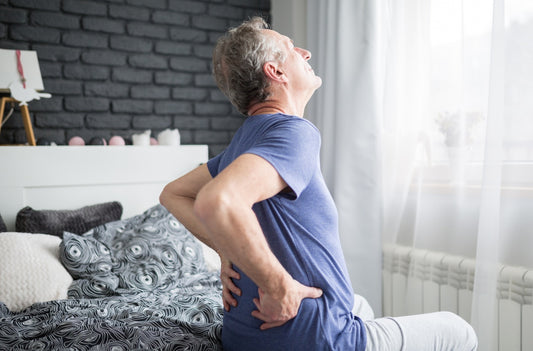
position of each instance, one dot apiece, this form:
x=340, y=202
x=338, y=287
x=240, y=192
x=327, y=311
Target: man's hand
x=278, y=308
x=226, y=275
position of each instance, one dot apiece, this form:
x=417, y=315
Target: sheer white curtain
x=341, y=37
x=426, y=114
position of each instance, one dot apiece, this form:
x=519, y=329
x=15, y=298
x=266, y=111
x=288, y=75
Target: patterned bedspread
x=140, y=284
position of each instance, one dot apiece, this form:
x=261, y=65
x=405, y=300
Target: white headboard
x=70, y=177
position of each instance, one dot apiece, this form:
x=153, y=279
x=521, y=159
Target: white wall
x=289, y=17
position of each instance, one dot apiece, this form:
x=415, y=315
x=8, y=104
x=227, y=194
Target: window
x=460, y=71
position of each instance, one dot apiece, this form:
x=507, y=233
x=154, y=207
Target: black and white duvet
x=140, y=284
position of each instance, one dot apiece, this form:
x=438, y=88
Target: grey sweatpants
x=438, y=331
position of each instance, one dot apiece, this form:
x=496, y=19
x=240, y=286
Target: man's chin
x=318, y=82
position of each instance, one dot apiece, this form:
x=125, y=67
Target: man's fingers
x=269, y=323
x=227, y=274
x=232, y=287
x=313, y=292
x=258, y=314
x=226, y=305
x=228, y=298
x=261, y=316
x=257, y=304
x=232, y=274
x=266, y=326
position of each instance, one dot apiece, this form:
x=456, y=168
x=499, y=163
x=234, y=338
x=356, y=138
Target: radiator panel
x=527, y=327
x=421, y=281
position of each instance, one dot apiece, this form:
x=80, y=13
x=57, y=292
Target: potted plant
x=458, y=131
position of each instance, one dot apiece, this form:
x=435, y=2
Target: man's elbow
x=164, y=197
x=209, y=205
x=171, y=192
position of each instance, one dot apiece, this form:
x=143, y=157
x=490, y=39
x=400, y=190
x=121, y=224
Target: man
x=263, y=206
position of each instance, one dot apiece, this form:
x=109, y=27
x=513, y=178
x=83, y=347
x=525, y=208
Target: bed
x=90, y=260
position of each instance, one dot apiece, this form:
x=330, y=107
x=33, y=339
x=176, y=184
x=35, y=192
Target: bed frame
x=70, y=177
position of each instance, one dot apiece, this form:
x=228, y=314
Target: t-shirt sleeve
x=292, y=147
x=213, y=164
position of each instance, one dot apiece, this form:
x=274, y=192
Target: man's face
x=298, y=71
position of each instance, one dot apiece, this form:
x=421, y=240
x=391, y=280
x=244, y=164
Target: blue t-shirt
x=302, y=231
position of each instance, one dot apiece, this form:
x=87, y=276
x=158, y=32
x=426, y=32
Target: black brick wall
x=119, y=67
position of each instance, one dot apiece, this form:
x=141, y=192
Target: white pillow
x=30, y=270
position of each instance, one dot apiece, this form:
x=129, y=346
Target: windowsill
x=514, y=175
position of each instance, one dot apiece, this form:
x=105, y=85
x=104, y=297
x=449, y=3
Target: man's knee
x=464, y=331
x=472, y=339
x=362, y=309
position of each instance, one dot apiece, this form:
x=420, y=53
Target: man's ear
x=274, y=71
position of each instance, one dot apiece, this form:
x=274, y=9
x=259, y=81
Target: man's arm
x=224, y=207
x=178, y=198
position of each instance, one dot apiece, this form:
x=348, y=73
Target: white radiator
x=420, y=281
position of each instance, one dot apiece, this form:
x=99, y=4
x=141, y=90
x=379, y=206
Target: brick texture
x=121, y=67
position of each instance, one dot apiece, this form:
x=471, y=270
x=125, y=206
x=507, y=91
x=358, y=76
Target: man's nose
x=306, y=54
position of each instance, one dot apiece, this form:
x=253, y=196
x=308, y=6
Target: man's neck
x=274, y=106
x=265, y=110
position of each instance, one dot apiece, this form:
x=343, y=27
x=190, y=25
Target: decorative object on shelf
x=43, y=141
x=142, y=139
x=76, y=141
x=117, y=141
x=20, y=66
x=97, y=141
x=169, y=137
x=25, y=95
x=21, y=76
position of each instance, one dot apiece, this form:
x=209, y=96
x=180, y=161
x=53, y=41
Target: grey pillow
x=77, y=221
x=147, y=252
